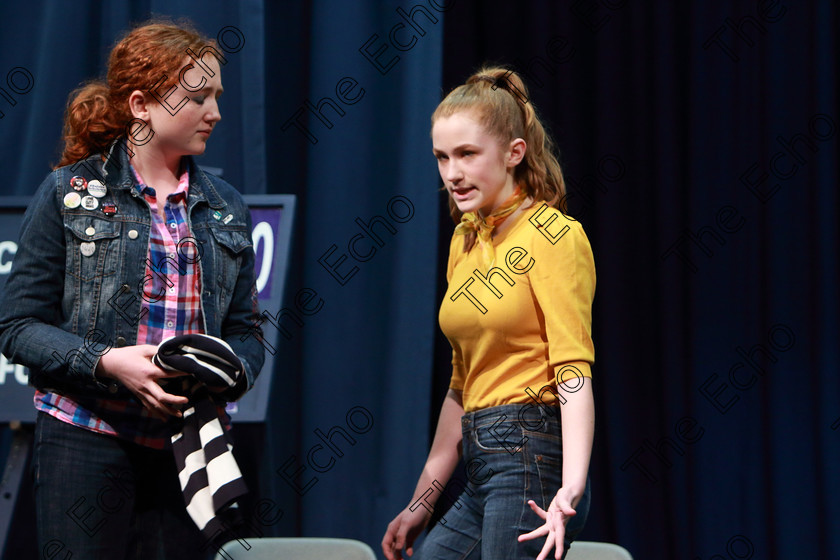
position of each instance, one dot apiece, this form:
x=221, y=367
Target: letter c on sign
x=6, y=265
x=263, y=233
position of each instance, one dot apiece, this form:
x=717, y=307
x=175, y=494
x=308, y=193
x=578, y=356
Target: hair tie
x=495, y=82
x=504, y=84
x=489, y=79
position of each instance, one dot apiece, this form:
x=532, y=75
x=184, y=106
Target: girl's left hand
x=559, y=512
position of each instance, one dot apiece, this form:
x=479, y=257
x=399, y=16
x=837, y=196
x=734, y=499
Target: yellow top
x=526, y=324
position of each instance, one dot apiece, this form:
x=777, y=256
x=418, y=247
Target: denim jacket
x=64, y=305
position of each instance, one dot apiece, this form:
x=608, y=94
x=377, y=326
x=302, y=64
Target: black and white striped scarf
x=210, y=478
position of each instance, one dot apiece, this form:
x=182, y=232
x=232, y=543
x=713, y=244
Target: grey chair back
x=585, y=550
x=295, y=549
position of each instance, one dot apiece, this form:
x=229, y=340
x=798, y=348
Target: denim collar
x=116, y=164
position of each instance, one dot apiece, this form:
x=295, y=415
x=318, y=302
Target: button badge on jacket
x=90, y=203
x=78, y=183
x=96, y=188
x=72, y=199
x=87, y=248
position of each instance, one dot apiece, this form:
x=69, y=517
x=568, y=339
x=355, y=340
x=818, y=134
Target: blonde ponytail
x=498, y=99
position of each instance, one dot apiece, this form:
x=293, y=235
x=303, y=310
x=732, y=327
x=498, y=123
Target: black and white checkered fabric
x=210, y=478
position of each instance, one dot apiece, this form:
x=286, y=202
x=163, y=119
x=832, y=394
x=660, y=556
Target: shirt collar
x=180, y=192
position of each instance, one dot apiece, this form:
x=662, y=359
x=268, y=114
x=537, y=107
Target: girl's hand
x=403, y=531
x=132, y=366
x=559, y=512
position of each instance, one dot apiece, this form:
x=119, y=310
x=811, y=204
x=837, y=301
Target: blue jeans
x=513, y=453
x=99, y=497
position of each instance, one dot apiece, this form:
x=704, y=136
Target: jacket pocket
x=92, y=247
x=233, y=240
x=228, y=261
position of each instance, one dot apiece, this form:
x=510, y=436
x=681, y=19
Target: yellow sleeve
x=563, y=281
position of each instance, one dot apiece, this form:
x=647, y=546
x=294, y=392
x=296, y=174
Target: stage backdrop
x=700, y=144
x=699, y=141
x=319, y=102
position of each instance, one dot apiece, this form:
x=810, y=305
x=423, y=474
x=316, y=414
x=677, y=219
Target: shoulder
x=225, y=190
x=552, y=225
x=89, y=168
x=57, y=184
x=554, y=235
x=223, y=198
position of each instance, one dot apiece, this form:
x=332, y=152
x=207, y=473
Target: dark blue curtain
x=351, y=140
x=699, y=143
x=318, y=103
x=58, y=45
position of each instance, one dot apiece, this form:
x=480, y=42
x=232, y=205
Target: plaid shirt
x=171, y=305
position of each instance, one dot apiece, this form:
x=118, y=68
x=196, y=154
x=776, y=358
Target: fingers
x=554, y=528
x=155, y=409
x=565, y=506
x=537, y=509
x=386, y=544
x=386, y=548
x=400, y=535
x=133, y=367
x=549, y=544
x=400, y=543
x=159, y=401
x=389, y=545
x=159, y=411
x=568, y=511
x=147, y=350
x=172, y=400
x=391, y=551
x=559, y=538
x=558, y=550
x=539, y=532
x=165, y=373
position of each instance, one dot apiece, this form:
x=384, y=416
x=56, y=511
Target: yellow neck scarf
x=483, y=227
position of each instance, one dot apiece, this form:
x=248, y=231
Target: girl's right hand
x=132, y=366
x=403, y=531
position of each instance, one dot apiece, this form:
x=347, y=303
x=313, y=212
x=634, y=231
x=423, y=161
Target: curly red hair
x=98, y=112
